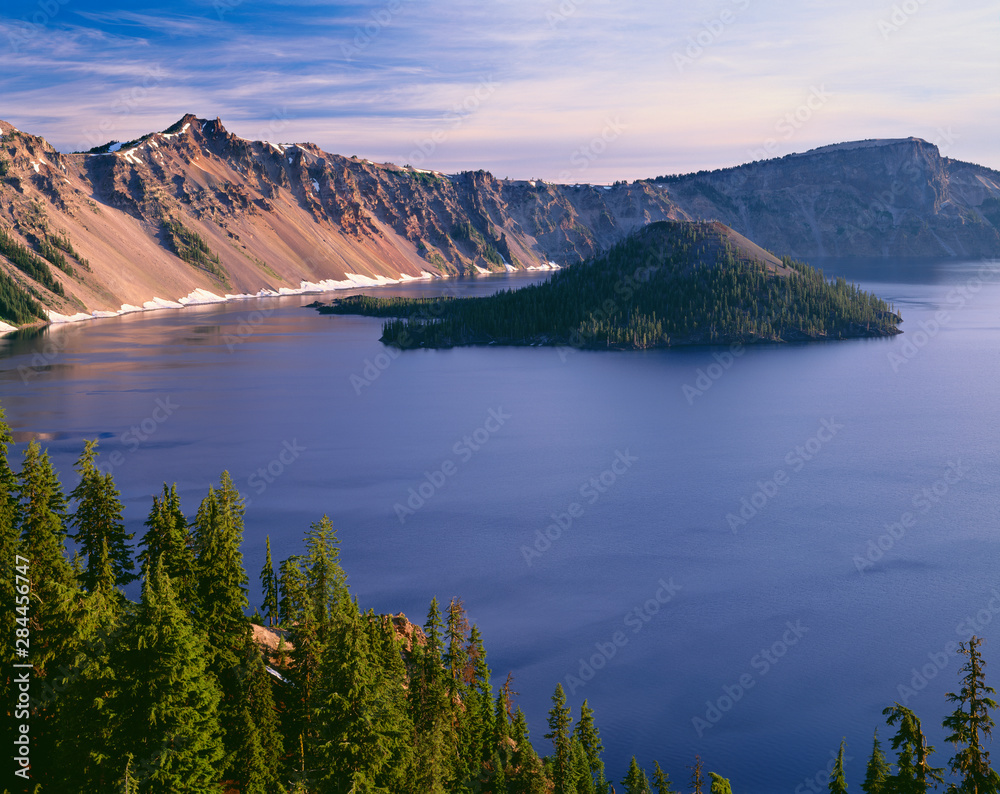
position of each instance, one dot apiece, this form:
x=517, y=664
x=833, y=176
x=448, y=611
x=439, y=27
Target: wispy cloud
x=373, y=77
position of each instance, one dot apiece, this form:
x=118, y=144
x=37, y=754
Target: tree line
x=172, y=693
x=672, y=284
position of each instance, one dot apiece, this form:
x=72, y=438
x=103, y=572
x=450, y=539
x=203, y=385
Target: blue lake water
x=747, y=555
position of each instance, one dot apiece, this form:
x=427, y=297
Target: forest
x=172, y=693
x=671, y=284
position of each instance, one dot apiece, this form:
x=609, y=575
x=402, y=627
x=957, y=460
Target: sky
x=562, y=90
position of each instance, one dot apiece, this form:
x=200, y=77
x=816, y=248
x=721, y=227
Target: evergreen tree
x=168, y=536
x=590, y=740
x=84, y=755
x=838, y=780
x=697, y=775
x=269, y=586
x=971, y=725
x=166, y=706
x=877, y=772
x=914, y=774
x=635, y=781
x=560, y=723
x=98, y=520
x=364, y=733
x=527, y=775
x=720, y=785
x=435, y=741
x=661, y=780
x=292, y=591
x=222, y=599
x=260, y=747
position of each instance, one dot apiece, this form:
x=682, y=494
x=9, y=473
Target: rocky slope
x=195, y=208
x=867, y=198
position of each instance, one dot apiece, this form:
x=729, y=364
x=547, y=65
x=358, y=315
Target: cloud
x=699, y=85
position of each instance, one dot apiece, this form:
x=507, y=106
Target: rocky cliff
x=195, y=209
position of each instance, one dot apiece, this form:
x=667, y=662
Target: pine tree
x=269, y=586
x=914, y=774
x=360, y=717
x=971, y=725
x=590, y=740
x=84, y=754
x=877, y=772
x=661, y=780
x=527, y=775
x=168, y=536
x=222, y=598
x=720, y=785
x=98, y=520
x=838, y=780
x=435, y=741
x=560, y=723
x=166, y=708
x=697, y=775
x=260, y=747
x=635, y=781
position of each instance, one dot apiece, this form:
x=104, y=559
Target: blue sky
x=566, y=90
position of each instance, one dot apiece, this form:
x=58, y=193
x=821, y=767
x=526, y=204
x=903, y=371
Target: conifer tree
x=914, y=774
x=166, y=707
x=169, y=536
x=635, y=781
x=971, y=725
x=53, y=586
x=838, y=780
x=269, y=586
x=590, y=740
x=98, y=520
x=222, y=598
x=527, y=775
x=432, y=711
x=697, y=775
x=661, y=780
x=720, y=785
x=364, y=735
x=260, y=747
x=560, y=723
x=84, y=753
x=877, y=772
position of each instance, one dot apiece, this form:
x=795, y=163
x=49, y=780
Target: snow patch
x=5, y=328
x=114, y=147
x=315, y=185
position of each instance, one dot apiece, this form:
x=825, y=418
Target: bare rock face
x=868, y=198
x=196, y=207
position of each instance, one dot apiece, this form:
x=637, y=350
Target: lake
x=744, y=554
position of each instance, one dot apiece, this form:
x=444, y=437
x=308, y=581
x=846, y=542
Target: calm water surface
x=756, y=639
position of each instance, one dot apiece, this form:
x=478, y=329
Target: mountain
x=197, y=208
x=194, y=211
x=867, y=198
x=670, y=283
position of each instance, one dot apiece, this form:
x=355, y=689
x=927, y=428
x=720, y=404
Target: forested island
x=176, y=693
x=672, y=283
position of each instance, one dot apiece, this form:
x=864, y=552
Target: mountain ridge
x=193, y=211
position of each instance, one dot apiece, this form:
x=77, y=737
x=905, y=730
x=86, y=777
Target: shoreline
x=204, y=297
